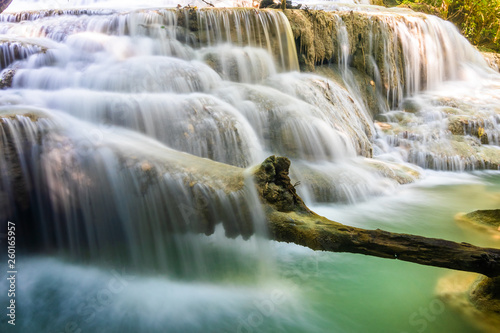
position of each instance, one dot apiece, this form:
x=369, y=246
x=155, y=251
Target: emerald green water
x=364, y=294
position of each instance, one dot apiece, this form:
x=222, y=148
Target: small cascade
x=174, y=32
x=13, y=50
x=403, y=53
x=58, y=5
x=198, y=123
x=123, y=197
x=247, y=65
x=19, y=143
x=452, y=128
x=408, y=69
x=229, y=67
x=339, y=110
x=267, y=30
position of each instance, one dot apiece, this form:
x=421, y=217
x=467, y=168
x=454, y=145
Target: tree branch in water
x=291, y=221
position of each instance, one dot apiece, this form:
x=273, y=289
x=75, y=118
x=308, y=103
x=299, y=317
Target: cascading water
x=125, y=128
x=417, y=64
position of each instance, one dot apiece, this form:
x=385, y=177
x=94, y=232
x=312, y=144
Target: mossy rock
x=389, y=3
x=314, y=33
x=411, y=106
x=489, y=218
x=423, y=8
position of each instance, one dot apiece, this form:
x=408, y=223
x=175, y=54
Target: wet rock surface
x=493, y=60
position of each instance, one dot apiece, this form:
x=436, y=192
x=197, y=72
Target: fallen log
x=291, y=221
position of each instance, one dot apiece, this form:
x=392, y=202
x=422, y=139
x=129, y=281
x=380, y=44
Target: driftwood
x=291, y=221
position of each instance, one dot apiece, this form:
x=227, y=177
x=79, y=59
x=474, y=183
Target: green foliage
x=479, y=20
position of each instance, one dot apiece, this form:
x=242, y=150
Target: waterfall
x=96, y=125
x=129, y=134
x=409, y=69
x=227, y=68
x=89, y=192
x=223, y=84
x=403, y=53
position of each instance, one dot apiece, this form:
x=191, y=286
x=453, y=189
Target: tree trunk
x=291, y=221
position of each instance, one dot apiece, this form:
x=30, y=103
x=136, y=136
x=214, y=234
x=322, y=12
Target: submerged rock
x=488, y=220
x=476, y=297
x=485, y=294
x=468, y=294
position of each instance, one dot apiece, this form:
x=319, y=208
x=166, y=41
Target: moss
x=315, y=36
x=422, y=8
x=274, y=185
x=411, y=106
x=457, y=125
x=390, y=3
x=485, y=217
